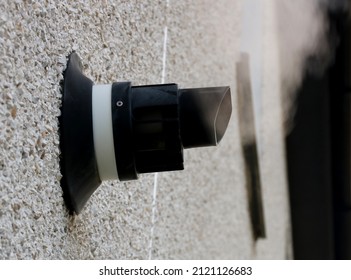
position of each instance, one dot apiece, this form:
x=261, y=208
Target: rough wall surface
x=199, y=213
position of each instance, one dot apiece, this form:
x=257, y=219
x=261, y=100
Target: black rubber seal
x=80, y=177
x=123, y=131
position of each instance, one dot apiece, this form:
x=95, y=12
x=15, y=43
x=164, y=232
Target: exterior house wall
x=199, y=213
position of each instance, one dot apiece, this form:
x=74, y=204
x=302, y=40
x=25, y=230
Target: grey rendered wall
x=199, y=213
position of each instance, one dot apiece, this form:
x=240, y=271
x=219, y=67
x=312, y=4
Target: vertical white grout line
x=153, y=215
x=164, y=57
x=154, y=195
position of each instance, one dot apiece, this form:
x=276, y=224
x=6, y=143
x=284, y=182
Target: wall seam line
x=154, y=196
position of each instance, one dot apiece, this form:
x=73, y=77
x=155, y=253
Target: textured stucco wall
x=201, y=212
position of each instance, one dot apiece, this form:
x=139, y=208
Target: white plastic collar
x=103, y=132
